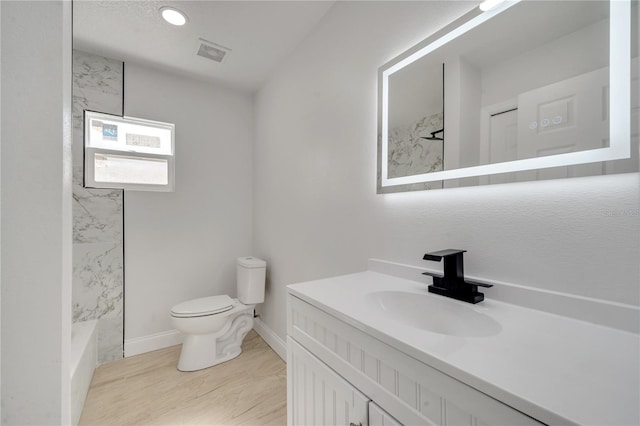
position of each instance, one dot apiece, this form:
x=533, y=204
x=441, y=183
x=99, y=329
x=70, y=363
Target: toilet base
x=201, y=351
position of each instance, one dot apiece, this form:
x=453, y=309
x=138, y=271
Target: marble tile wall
x=409, y=154
x=98, y=237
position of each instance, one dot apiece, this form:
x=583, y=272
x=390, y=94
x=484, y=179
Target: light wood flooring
x=147, y=389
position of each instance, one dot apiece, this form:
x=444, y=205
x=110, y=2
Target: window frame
x=89, y=153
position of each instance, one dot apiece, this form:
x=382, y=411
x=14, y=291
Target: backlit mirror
x=529, y=90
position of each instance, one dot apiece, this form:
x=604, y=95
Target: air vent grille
x=212, y=51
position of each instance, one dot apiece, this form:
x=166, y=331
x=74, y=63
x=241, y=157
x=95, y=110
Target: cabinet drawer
x=409, y=390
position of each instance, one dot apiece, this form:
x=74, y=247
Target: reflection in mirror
x=416, y=120
x=533, y=90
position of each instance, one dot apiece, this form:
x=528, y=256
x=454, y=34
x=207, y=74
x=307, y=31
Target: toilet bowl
x=214, y=327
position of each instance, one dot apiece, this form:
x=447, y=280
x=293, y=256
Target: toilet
x=214, y=327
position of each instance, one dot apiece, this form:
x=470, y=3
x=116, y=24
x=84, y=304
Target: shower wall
x=98, y=238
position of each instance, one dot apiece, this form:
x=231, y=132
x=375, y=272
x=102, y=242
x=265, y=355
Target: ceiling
x=260, y=34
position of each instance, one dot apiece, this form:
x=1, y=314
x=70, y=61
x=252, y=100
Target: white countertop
x=556, y=369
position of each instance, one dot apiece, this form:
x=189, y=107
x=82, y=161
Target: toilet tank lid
x=251, y=262
x=203, y=306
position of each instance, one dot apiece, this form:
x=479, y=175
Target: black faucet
x=452, y=283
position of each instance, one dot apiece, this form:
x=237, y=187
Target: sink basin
x=434, y=313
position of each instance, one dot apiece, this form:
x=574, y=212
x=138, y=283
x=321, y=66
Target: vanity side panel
x=418, y=394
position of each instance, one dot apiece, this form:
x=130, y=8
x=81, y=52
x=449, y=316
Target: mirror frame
x=620, y=103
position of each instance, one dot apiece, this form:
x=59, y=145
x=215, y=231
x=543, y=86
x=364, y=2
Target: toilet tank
x=251, y=274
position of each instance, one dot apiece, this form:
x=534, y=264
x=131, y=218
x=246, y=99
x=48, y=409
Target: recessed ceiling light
x=489, y=4
x=173, y=15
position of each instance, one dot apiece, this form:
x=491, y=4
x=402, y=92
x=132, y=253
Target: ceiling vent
x=212, y=51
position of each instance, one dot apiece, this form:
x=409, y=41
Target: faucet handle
x=479, y=284
x=433, y=274
x=437, y=278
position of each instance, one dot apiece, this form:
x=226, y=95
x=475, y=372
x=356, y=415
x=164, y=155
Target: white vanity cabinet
x=340, y=375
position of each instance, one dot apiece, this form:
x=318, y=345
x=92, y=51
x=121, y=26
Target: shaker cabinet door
x=316, y=395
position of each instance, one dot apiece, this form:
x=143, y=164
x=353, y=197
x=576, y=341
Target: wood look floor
x=147, y=389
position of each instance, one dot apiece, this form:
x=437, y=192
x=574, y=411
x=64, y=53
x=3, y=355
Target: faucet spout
x=453, y=265
x=452, y=283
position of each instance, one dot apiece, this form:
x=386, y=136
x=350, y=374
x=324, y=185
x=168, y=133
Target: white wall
x=316, y=213
x=36, y=212
x=182, y=245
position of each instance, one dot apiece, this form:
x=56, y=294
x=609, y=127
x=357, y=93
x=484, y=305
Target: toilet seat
x=203, y=306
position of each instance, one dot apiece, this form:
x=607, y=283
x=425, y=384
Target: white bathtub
x=84, y=358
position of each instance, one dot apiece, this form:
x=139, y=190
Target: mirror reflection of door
x=567, y=116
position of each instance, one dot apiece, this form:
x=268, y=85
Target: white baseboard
x=610, y=314
x=272, y=339
x=152, y=342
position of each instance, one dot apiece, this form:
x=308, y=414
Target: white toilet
x=215, y=326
